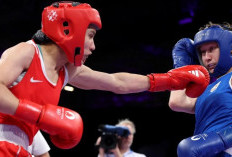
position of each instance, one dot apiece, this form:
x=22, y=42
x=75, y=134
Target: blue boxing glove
x=206, y=144
x=184, y=53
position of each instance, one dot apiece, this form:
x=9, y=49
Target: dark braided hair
x=40, y=38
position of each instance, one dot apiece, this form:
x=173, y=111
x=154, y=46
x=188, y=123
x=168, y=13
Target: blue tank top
x=213, y=110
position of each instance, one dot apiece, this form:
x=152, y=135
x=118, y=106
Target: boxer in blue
x=211, y=48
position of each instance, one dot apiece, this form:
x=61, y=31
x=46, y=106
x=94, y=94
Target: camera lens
x=108, y=141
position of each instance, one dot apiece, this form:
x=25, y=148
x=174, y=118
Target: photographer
x=122, y=148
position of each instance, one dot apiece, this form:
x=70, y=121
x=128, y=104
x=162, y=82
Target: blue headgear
x=224, y=39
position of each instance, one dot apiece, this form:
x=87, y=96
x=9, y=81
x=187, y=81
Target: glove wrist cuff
x=28, y=111
x=159, y=82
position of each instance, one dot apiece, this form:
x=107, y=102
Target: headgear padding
x=66, y=23
x=224, y=39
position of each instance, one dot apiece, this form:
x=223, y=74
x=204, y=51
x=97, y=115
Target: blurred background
x=136, y=37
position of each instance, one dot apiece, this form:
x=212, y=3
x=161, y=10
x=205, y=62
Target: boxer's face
x=210, y=53
x=89, y=43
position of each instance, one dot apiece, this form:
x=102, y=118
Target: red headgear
x=66, y=23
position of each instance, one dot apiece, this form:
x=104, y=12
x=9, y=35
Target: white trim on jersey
x=43, y=66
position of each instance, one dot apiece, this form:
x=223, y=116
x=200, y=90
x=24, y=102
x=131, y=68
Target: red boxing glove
x=195, y=78
x=64, y=125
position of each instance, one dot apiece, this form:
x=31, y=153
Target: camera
x=109, y=136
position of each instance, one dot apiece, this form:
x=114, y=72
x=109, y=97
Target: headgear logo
x=52, y=15
x=201, y=35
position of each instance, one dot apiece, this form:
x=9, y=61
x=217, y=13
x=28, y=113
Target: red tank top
x=36, y=87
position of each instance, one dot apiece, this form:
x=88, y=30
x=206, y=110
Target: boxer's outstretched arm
x=191, y=77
